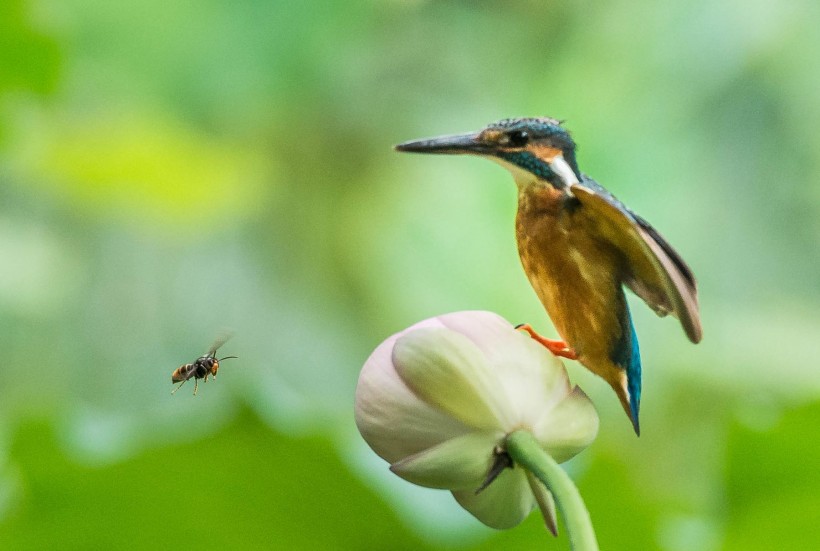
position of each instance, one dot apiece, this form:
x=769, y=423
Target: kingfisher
x=579, y=247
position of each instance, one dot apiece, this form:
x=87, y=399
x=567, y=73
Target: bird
x=579, y=247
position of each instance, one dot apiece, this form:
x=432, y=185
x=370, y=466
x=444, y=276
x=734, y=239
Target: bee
x=201, y=368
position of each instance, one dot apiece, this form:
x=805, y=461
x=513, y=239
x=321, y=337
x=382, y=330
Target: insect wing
x=222, y=339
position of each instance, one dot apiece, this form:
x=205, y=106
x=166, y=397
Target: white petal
x=448, y=371
x=569, y=427
x=460, y=463
x=393, y=420
x=477, y=325
x=503, y=504
x=532, y=378
x=493, y=335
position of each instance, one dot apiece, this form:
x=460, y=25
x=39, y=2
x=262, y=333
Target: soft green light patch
x=149, y=169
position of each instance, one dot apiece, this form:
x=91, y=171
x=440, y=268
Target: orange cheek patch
x=545, y=152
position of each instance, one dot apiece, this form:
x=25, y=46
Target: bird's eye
x=518, y=138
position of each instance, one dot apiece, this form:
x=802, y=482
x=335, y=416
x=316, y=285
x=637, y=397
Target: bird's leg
x=557, y=347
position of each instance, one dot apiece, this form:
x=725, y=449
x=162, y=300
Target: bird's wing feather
x=653, y=270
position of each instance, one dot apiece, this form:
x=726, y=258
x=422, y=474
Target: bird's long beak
x=446, y=145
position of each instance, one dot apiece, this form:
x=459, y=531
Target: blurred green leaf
x=245, y=487
x=29, y=58
x=147, y=168
x=773, y=483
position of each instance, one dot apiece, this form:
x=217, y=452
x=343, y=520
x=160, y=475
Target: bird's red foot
x=557, y=347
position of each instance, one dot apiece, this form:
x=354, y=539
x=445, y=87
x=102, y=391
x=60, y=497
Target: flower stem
x=525, y=451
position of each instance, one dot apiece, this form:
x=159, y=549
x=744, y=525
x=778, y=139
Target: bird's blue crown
x=537, y=128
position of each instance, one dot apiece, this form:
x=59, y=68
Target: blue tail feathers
x=628, y=356
x=633, y=377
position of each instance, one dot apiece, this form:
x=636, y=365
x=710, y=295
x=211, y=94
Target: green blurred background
x=172, y=169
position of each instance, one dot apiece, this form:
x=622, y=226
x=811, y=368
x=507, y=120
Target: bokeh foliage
x=170, y=169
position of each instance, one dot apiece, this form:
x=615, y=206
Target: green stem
x=525, y=451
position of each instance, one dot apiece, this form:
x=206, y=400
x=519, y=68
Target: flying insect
x=201, y=368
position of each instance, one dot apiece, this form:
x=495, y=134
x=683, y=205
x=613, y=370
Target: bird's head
x=533, y=149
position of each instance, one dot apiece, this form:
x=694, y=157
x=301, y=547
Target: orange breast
x=575, y=277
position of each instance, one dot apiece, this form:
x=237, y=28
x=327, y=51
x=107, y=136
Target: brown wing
x=653, y=270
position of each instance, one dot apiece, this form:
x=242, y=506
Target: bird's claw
x=557, y=347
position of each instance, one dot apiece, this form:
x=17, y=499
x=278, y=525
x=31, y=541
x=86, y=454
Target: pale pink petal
x=393, y=420
x=568, y=428
x=503, y=504
x=459, y=463
x=446, y=370
x=531, y=377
